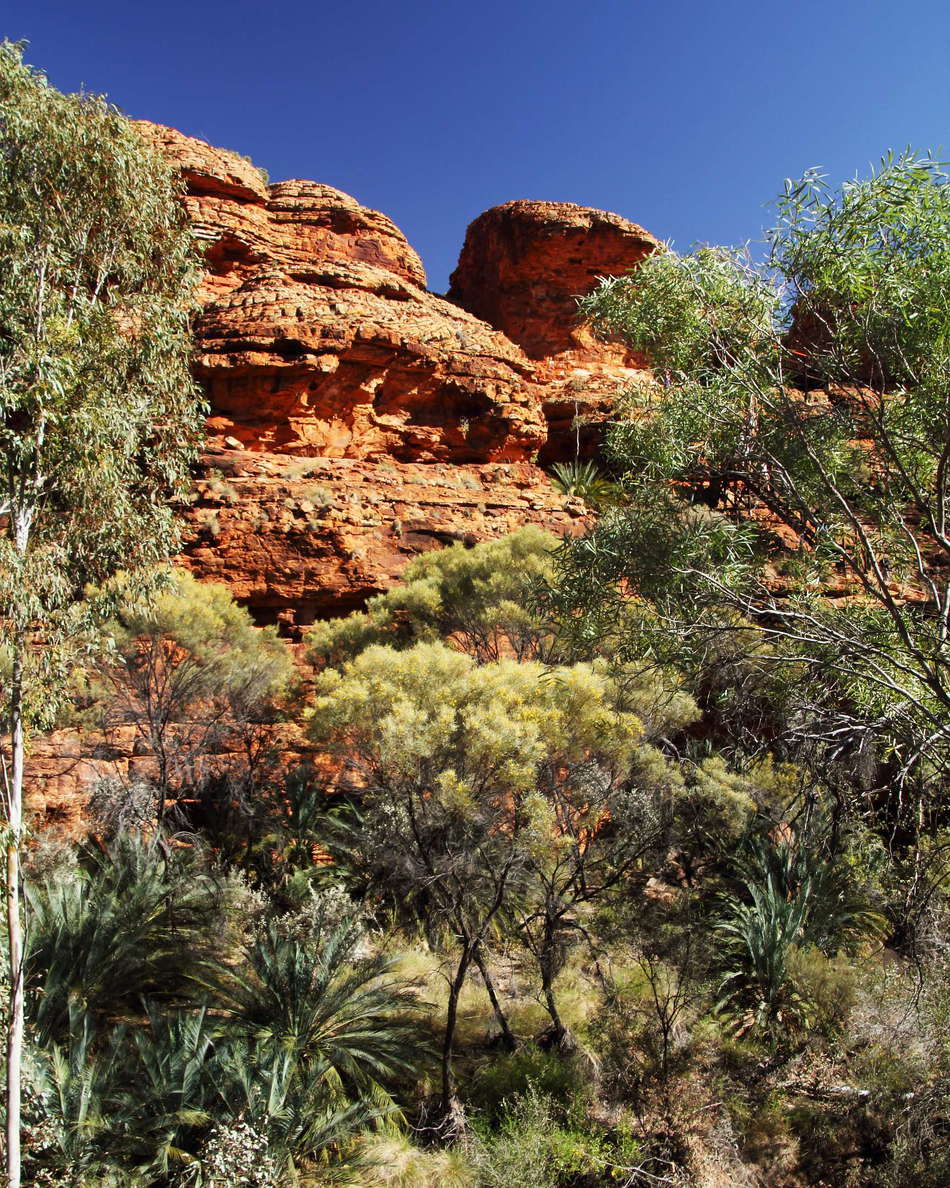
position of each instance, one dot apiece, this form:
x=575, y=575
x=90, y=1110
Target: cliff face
x=303, y=538
x=523, y=264
x=357, y=418
x=346, y=360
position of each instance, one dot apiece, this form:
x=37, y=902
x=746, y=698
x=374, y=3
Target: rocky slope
x=358, y=419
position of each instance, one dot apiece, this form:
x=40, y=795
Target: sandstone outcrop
x=299, y=539
x=523, y=265
x=319, y=340
x=346, y=360
x=357, y=419
x=244, y=223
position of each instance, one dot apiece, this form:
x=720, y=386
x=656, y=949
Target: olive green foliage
x=643, y=853
x=186, y=666
x=431, y=713
x=626, y=953
x=814, y=385
x=486, y=790
x=124, y=925
x=532, y=1144
x=99, y=414
x=475, y=598
x=516, y=1074
x=790, y=897
x=191, y=642
x=304, y=997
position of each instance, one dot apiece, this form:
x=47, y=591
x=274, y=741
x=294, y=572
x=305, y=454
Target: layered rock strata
x=298, y=539
x=358, y=419
x=524, y=264
x=345, y=360
x=319, y=340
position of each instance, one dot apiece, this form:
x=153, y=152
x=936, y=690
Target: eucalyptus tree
x=794, y=442
x=603, y=809
x=98, y=414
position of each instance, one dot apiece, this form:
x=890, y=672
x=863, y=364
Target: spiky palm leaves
x=326, y=1024
x=300, y=1037
x=172, y=1061
x=130, y=923
x=583, y=478
x=759, y=934
x=788, y=895
x=70, y=1090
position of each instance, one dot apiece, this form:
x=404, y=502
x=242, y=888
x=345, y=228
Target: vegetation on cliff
x=618, y=861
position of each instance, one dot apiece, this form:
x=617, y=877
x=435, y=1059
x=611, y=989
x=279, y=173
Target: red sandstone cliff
x=319, y=340
x=523, y=266
x=358, y=419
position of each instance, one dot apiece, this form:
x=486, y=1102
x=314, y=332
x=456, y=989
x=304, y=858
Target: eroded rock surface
x=245, y=223
x=523, y=265
x=358, y=419
x=343, y=359
x=319, y=340
x=299, y=539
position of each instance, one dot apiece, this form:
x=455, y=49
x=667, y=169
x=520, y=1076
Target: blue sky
x=681, y=115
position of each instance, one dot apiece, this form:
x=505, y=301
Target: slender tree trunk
x=560, y=1031
x=22, y=519
x=14, y=922
x=546, y=964
x=507, y=1034
x=449, y=1103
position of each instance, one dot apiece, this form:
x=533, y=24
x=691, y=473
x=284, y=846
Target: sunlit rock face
x=357, y=419
x=425, y=419
x=524, y=264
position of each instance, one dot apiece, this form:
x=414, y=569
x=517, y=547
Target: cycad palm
x=318, y=1037
x=73, y=1106
x=284, y=1096
x=173, y=1089
x=316, y=996
x=129, y=924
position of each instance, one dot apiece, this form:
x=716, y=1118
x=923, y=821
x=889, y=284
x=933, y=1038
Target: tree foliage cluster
x=530, y=833
x=794, y=443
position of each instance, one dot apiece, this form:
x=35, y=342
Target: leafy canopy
x=189, y=642
x=98, y=413
x=478, y=598
x=799, y=404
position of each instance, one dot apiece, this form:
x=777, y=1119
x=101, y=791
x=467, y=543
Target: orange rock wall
x=358, y=419
x=523, y=265
x=318, y=340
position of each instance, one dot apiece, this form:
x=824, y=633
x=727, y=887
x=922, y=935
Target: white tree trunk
x=14, y=922
x=22, y=522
